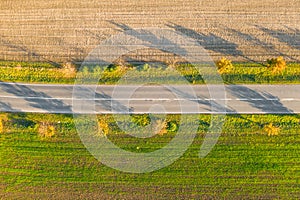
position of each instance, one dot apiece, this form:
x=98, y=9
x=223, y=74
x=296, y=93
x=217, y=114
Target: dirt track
x=62, y=31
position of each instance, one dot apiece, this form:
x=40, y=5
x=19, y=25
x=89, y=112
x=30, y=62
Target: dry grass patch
x=3, y=119
x=103, y=124
x=46, y=129
x=69, y=70
x=271, y=130
x=160, y=127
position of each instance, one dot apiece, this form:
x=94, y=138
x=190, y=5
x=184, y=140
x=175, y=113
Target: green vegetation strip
x=43, y=152
x=248, y=73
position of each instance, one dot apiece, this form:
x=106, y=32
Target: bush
x=141, y=119
x=1, y=126
x=112, y=68
x=224, y=66
x=46, y=130
x=3, y=119
x=172, y=126
x=69, y=70
x=161, y=127
x=172, y=63
x=103, y=123
x=276, y=65
x=144, y=67
x=271, y=130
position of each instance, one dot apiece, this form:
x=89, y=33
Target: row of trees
x=274, y=65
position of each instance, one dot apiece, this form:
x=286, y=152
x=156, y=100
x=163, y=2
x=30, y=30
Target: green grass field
x=246, y=163
x=242, y=73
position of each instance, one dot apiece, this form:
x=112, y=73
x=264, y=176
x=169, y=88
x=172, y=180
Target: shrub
x=46, y=130
x=144, y=67
x=112, y=68
x=68, y=70
x=172, y=63
x=172, y=126
x=276, y=65
x=103, y=123
x=1, y=126
x=141, y=119
x=161, y=127
x=271, y=130
x=3, y=118
x=224, y=66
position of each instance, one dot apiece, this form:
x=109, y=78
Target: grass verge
x=246, y=163
x=242, y=73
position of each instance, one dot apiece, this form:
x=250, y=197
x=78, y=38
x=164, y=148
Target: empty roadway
x=51, y=98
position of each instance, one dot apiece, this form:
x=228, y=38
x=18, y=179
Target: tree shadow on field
x=291, y=37
x=37, y=99
x=77, y=55
x=270, y=48
x=263, y=101
x=22, y=48
x=210, y=41
x=151, y=40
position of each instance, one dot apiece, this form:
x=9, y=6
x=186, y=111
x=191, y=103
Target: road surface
x=40, y=98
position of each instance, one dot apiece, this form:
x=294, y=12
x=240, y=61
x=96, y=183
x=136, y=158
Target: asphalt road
x=41, y=98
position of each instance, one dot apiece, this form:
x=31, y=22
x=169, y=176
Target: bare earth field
x=63, y=31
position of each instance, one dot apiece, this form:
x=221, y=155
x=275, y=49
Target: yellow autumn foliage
x=3, y=118
x=271, y=130
x=46, y=130
x=103, y=123
x=224, y=66
x=276, y=65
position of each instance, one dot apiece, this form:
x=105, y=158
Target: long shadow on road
x=110, y=104
x=213, y=105
x=6, y=107
x=263, y=101
x=50, y=104
x=36, y=99
x=99, y=101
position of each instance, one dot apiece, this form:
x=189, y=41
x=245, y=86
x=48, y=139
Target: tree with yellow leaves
x=46, y=130
x=224, y=66
x=271, y=130
x=3, y=118
x=276, y=65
